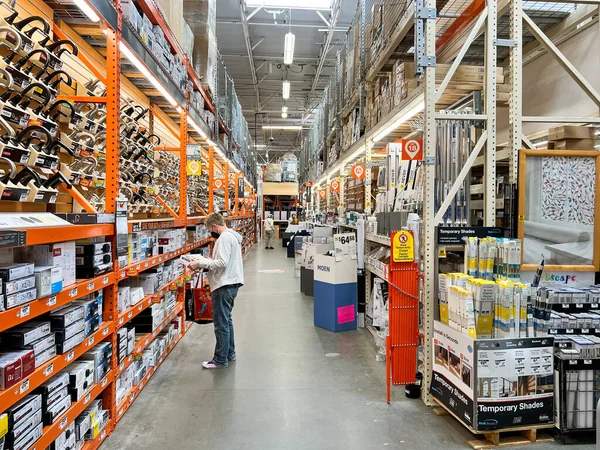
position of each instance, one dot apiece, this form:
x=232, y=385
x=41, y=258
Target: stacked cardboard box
x=376, y=37
x=568, y=137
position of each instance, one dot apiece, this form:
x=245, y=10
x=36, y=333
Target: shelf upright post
x=490, y=111
x=515, y=127
x=343, y=179
x=113, y=108
x=429, y=142
x=368, y=175
x=226, y=187
x=183, y=140
x=236, y=208
x=211, y=179
x=328, y=191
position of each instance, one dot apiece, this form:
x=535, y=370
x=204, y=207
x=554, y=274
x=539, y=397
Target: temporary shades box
x=335, y=293
x=491, y=384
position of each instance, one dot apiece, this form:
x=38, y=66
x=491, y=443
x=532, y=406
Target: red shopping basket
x=203, y=311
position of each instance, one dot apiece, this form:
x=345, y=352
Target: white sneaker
x=213, y=365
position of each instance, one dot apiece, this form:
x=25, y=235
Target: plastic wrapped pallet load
x=273, y=173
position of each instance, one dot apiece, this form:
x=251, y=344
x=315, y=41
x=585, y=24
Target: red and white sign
x=335, y=186
x=322, y=193
x=412, y=149
x=218, y=183
x=359, y=171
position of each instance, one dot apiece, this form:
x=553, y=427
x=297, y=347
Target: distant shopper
x=293, y=220
x=269, y=231
x=225, y=277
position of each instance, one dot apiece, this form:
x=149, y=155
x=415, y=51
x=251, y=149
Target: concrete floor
x=283, y=392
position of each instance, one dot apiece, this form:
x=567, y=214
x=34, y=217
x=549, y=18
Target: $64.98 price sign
x=344, y=244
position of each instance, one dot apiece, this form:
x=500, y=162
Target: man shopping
x=269, y=230
x=225, y=277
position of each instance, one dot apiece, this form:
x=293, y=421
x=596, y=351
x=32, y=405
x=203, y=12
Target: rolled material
x=555, y=234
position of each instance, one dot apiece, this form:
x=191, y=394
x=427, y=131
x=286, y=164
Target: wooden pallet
x=505, y=437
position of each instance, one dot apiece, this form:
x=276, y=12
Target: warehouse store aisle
x=286, y=390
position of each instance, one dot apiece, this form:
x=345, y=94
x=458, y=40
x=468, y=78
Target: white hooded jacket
x=225, y=267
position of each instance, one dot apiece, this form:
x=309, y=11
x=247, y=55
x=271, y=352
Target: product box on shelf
x=492, y=384
x=20, y=298
x=23, y=409
x=45, y=356
x=60, y=255
x=15, y=366
x=12, y=272
x=48, y=280
x=19, y=285
x=26, y=334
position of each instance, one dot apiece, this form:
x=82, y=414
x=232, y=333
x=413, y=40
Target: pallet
x=505, y=437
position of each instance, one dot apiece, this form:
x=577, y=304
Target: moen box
x=335, y=293
x=491, y=384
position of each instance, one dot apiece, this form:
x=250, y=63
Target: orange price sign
x=412, y=149
x=335, y=186
x=322, y=193
x=359, y=171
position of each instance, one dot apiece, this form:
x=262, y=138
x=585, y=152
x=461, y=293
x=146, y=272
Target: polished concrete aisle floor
x=294, y=386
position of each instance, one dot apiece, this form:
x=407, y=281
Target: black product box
x=68, y=332
x=101, y=371
x=20, y=298
x=79, y=391
x=100, y=353
x=19, y=285
x=91, y=272
x=11, y=272
x=40, y=345
x=82, y=425
x=45, y=356
x=24, y=335
x=30, y=439
x=90, y=307
x=57, y=410
x=70, y=343
x=92, y=325
x=79, y=371
x=62, y=441
x=92, y=249
x=86, y=218
x=50, y=402
x=23, y=409
x=63, y=317
x=52, y=386
x=24, y=428
x=92, y=261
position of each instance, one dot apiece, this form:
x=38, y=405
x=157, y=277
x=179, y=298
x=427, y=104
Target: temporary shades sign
x=335, y=186
x=219, y=183
x=412, y=149
x=322, y=193
x=358, y=171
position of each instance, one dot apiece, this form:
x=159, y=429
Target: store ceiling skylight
x=291, y=4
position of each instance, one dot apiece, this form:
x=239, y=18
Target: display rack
x=112, y=54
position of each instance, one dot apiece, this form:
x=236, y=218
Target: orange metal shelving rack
x=112, y=320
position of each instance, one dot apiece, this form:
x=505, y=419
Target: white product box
x=136, y=295
x=48, y=280
x=61, y=255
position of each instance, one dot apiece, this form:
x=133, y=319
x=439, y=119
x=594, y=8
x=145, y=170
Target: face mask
x=215, y=235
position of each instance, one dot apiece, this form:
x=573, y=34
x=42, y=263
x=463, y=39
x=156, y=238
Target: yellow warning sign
x=404, y=247
x=194, y=167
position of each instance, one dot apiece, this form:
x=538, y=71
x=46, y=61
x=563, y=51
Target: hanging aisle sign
x=403, y=247
x=240, y=187
x=358, y=171
x=322, y=193
x=335, y=186
x=344, y=244
x=412, y=149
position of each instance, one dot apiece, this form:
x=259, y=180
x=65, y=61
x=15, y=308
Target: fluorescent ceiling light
x=133, y=59
x=288, y=48
x=196, y=127
x=284, y=115
x=87, y=10
x=402, y=119
x=286, y=89
x=540, y=143
x=284, y=109
x=322, y=30
x=259, y=145
x=282, y=127
x=291, y=4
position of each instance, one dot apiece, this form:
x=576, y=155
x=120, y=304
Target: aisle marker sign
x=218, y=183
x=358, y=171
x=335, y=186
x=322, y=193
x=403, y=247
x=344, y=244
x=412, y=149
x=194, y=167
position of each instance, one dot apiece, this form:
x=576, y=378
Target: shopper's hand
x=194, y=265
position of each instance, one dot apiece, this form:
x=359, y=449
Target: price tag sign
x=51, y=300
x=105, y=280
x=24, y=386
x=105, y=331
x=90, y=341
x=344, y=244
x=49, y=369
x=73, y=292
x=25, y=311
x=90, y=286
x=70, y=356
x=87, y=398
x=63, y=423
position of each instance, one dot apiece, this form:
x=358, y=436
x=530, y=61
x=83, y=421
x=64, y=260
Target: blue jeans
x=222, y=302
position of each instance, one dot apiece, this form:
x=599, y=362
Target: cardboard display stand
x=307, y=274
x=492, y=384
x=335, y=293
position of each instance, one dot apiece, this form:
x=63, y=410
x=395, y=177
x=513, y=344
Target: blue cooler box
x=335, y=291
